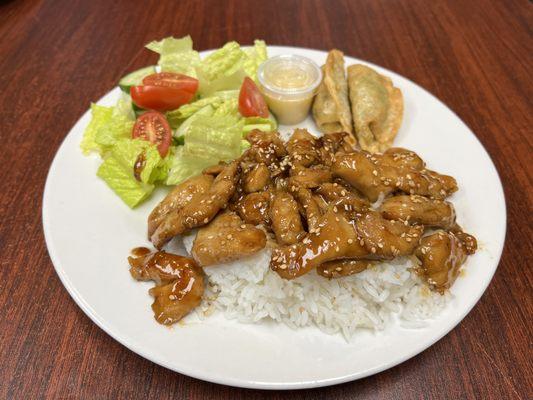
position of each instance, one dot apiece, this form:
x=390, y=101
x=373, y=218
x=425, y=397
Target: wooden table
x=57, y=56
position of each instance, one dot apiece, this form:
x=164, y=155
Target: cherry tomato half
x=173, y=80
x=153, y=126
x=160, y=98
x=251, y=101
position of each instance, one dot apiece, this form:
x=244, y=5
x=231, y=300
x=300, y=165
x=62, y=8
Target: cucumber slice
x=135, y=78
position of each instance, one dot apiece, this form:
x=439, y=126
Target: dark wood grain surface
x=57, y=56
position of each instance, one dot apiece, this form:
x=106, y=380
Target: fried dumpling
x=331, y=109
x=377, y=108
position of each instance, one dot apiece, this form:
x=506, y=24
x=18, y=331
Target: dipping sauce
x=289, y=83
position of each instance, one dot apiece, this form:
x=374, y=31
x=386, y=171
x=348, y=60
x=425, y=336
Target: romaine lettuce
x=228, y=107
x=177, y=117
x=100, y=116
x=254, y=57
x=208, y=140
x=117, y=170
x=184, y=166
x=108, y=124
x=263, y=124
x=176, y=55
x=222, y=62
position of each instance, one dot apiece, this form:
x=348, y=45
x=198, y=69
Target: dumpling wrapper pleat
x=331, y=108
x=377, y=108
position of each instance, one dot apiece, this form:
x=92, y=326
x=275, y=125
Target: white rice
x=247, y=290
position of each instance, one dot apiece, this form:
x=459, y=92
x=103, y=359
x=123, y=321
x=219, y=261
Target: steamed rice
x=249, y=291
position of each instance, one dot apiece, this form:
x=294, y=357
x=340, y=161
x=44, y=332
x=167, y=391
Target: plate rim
x=86, y=308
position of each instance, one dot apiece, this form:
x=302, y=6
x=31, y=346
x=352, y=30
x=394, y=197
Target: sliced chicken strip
x=285, y=218
x=387, y=239
x=399, y=157
x=334, y=238
x=178, y=198
x=309, y=177
x=214, y=169
x=441, y=255
x=468, y=240
x=226, y=238
x=253, y=208
x=266, y=147
x=256, y=179
x=419, y=210
x=369, y=237
x=343, y=197
x=340, y=268
x=373, y=178
x=202, y=210
x=180, y=283
x=310, y=208
x=331, y=143
x=303, y=148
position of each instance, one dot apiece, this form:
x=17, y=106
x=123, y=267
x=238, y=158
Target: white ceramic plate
x=89, y=233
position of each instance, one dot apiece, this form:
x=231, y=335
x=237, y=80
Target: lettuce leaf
x=176, y=55
x=177, y=117
x=184, y=166
x=263, y=124
x=226, y=67
x=117, y=170
x=228, y=107
x=218, y=99
x=216, y=138
x=208, y=140
x=254, y=57
x=118, y=127
x=222, y=62
x=108, y=124
x=208, y=110
x=100, y=117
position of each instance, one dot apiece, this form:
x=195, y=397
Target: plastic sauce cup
x=289, y=83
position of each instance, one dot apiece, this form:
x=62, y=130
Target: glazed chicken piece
x=372, y=177
x=331, y=143
x=340, y=268
x=214, y=169
x=254, y=208
x=266, y=147
x=226, y=238
x=310, y=209
x=469, y=241
x=178, y=198
x=302, y=148
x=309, y=177
x=387, y=239
x=441, y=256
x=342, y=197
x=399, y=157
x=200, y=211
x=179, y=282
x=256, y=179
x=336, y=237
x=419, y=210
x=285, y=218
